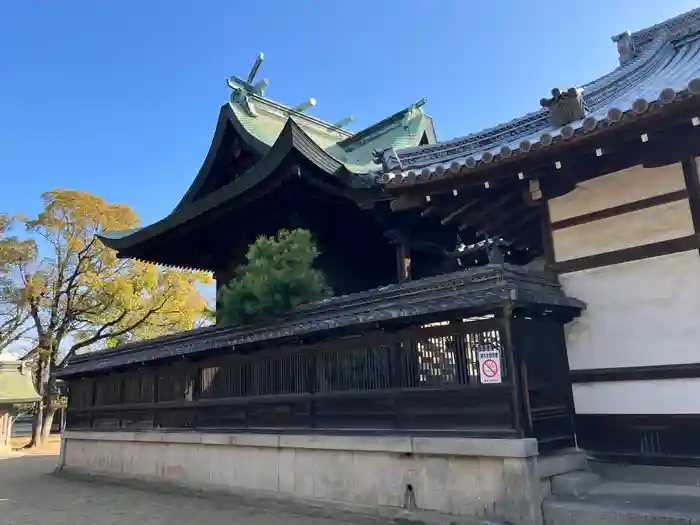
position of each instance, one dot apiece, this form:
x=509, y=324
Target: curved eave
x=292, y=138
x=412, y=178
x=664, y=75
x=227, y=116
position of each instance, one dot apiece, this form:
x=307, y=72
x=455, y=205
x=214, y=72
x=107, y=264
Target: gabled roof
x=477, y=290
x=258, y=121
x=272, y=130
x=659, y=66
x=263, y=120
x=291, y=138
x=16, y=384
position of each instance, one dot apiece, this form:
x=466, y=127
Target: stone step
x=647, y=473
x=558, y=512
x=576, y=483
x=561, y=462
x=623, y=503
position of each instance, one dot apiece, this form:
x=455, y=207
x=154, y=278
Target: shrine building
x=518, y=295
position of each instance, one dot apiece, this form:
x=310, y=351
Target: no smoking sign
x=489, y=356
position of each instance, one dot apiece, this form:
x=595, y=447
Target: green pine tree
x=278, y=276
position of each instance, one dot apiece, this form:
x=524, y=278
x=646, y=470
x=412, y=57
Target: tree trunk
x=37, y=423
x=50, y=406
x=43, y=377
x=47, y=423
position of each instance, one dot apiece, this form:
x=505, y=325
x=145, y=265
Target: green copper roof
x=272, y=130
x=404, y=129
x=16, y=384
x=264, y=119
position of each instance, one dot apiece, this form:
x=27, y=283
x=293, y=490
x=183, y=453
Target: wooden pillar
x=520, y=419
x=403, y=262
x=547, y=237
x=692, y=185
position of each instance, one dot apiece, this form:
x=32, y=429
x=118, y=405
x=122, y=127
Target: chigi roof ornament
x=565, y=106
x=625, y=47
x=241, y=88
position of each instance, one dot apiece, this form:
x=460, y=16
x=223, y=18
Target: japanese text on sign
x=489, y=357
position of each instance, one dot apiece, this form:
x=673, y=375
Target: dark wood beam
x=487, y=207
x=520, y=226
x=407, y=202
x=457, y=211
x=494, y=227
x=692, y=184
x=674, y=121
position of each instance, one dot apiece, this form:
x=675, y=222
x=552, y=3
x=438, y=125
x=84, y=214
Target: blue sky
x=120, y=97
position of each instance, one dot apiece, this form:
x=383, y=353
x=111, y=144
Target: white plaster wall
x=614, y=189
x=640, y=313
x=370, y=472
x=658, y=223
x=667, y=396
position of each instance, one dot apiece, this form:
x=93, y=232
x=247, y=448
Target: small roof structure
x=659, y=67
x=275, y=133
x=470, y=292
x=16, y=383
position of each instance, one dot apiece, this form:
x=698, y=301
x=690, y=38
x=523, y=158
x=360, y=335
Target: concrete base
x=486, y=478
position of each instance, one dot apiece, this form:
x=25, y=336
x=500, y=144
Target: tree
x=278, y=276
x=13, y=314
x=79, y=295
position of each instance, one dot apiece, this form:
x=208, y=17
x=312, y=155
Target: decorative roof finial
x=306, y=105
x=259, y=87
x=625, y=47
x=565, y=106
x=242, y=88
x=254, y=70
x=344, y=122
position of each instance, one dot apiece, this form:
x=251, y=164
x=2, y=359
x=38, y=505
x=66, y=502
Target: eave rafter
x=456, y=201
x=544, y=160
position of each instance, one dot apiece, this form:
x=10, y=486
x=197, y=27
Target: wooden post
x=547, y=238
x=692, y=185
x=509, y=349
x=403, y=262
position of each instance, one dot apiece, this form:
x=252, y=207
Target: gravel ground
x=30, y=496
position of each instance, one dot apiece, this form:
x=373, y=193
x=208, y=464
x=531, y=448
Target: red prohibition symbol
x=489, y=368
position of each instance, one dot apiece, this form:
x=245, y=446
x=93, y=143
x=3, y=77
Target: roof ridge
x=378, y=125
x=291, y=112
x=597, y=92
x=677, y=23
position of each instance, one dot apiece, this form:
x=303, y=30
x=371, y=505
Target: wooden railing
x=419, y=380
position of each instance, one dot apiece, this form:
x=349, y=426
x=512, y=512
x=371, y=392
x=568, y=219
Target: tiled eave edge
x=616, y=118
x=471, y=289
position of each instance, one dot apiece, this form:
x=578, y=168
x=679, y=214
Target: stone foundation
x=493, y=478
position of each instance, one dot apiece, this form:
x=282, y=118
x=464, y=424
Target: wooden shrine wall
x=421, y=380
x=626, y=244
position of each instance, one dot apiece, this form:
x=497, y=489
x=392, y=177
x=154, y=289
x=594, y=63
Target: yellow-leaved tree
x=78, y=295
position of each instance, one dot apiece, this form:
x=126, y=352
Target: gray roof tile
x=665, y=69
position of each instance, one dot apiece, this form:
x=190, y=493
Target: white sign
x=489, y=357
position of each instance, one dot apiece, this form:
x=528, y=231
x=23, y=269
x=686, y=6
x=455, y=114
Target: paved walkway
x=30, y=496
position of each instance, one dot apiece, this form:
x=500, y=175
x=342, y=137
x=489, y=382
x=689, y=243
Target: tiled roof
x=664, y=68
x=16, y=384
x=478, y=289
x=402, y=129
